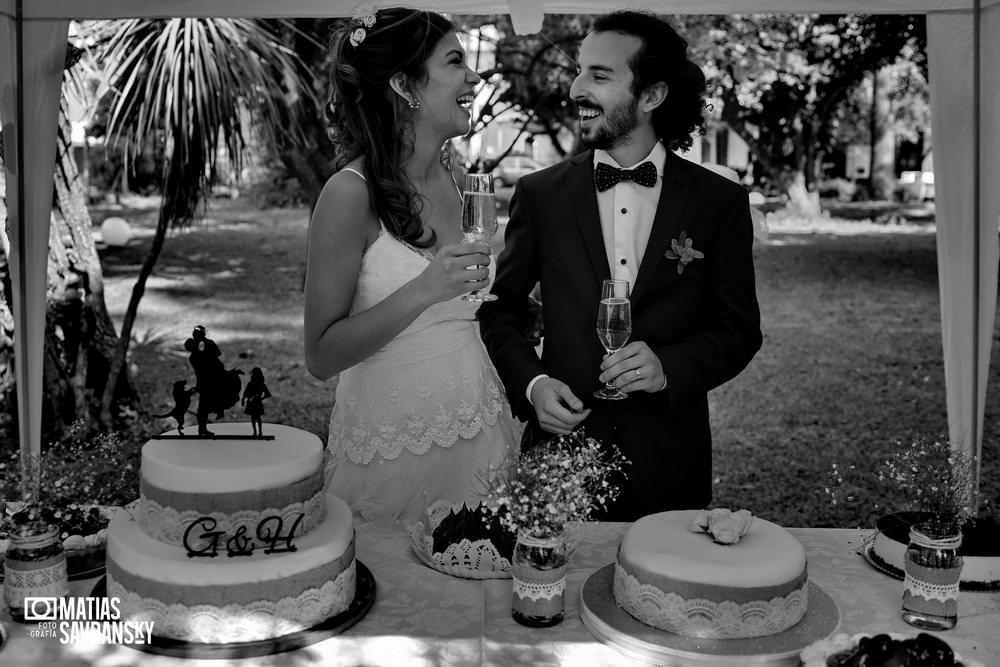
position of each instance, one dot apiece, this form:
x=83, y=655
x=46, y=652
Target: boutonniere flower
x=683, y=249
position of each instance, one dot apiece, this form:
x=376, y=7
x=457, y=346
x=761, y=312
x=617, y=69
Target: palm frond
x=191, y=85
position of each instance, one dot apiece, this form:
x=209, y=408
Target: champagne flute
x=479, y=219
x=614, y=326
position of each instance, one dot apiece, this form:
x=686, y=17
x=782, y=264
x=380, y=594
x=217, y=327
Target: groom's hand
x=557, y=409
x=633, y=368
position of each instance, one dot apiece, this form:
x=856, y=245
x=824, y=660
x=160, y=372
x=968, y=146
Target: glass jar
x=35, y=566
x=539, y=572
x=932, y=568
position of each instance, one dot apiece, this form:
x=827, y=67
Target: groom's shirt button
x=623, y=261
x=624, y=211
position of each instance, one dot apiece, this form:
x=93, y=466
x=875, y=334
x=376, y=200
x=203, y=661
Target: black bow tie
x=607, y=176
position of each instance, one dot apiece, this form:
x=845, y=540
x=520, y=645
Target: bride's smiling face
x=447, y=91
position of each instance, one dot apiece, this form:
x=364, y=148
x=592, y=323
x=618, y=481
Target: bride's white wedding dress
x=420, y=419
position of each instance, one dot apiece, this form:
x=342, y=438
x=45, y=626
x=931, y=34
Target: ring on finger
x=637, y=374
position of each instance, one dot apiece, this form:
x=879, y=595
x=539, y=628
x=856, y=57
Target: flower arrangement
x=929, y=477
x=80, y=478
x=559, y=482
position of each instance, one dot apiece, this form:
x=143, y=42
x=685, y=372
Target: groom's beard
x=616, y=123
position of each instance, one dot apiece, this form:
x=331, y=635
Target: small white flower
x=358, y=36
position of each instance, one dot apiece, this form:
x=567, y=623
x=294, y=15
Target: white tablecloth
x=423, y=617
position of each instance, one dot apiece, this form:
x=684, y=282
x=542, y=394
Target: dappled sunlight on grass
x=851, y=360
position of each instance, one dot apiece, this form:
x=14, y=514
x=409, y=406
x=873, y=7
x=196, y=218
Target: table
x=423, y=617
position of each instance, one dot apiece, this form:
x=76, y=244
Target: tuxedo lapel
x=583, y=201
x=673, y=193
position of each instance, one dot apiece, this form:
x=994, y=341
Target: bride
x=419, y=410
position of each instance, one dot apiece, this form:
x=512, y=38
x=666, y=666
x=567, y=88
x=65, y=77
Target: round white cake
x=233, y=540
x=674, y=579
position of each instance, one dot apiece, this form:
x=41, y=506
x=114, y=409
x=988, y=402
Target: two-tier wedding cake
x=233, y=540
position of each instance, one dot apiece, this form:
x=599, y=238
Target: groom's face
x=602, y=91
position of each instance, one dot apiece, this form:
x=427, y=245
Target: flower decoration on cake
x=927, y=475
x=682, y=249
x=554, y=484
x=724, y=525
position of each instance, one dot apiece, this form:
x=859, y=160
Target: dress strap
x=355, y=171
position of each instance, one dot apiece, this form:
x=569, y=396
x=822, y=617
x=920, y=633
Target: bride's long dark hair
x=368, y=119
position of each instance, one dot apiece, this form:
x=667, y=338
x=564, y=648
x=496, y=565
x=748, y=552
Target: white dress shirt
x=626, y=211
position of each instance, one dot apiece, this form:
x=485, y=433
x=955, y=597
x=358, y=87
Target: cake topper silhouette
x=218, y=389
x=253, y=399
x=182, y=401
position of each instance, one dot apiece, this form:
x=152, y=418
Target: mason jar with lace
x=35, y=566
x=538, y=569
x=932, y=568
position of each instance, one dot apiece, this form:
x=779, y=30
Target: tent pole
x=977, y=212
x=27, y=468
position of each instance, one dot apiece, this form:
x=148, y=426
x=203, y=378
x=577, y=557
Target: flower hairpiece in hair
x=366, y=17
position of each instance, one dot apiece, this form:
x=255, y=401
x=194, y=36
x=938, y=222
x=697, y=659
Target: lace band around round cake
x=705, y=618
x=229, y=622
x=242, y=593
x=689, y=590
x=166, y=514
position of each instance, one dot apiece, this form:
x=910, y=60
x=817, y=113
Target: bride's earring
x=413, y=104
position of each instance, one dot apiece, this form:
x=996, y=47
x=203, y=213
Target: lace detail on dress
x=704, y=618
x=261, y=619
x=368, y=430
x=168, y=525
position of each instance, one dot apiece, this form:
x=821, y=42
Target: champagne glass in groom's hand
x=614, y=326
x=479, y=219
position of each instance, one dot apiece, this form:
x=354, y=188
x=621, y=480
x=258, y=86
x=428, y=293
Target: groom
x=680, y=234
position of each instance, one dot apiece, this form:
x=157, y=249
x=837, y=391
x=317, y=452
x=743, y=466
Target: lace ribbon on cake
x=168, y=525
x=704, y=618
x=930, y=591
x=261, y=619
x=538, y=590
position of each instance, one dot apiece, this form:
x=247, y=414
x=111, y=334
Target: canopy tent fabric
x=965, y=102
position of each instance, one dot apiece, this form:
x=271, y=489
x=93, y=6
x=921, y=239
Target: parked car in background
x=514, y=167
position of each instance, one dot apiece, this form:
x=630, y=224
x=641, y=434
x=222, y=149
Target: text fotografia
x=91, y=619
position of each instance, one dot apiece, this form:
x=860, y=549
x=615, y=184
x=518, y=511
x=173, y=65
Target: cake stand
x=621, y=631
x=364, y=598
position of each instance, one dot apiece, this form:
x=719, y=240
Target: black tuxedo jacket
x=703, y=323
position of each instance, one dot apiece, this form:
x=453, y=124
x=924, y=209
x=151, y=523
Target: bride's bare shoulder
x=344, y=201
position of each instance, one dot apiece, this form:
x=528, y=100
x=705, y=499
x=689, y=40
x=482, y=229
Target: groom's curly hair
x=368, y=119
x=663, y=57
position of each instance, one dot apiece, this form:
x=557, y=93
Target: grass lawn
x=851, y=361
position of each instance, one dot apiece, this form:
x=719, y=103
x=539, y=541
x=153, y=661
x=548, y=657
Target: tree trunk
x=79, y=334
x=184, y=187
x=801, y=200
x=121, y=350
x=883, y=160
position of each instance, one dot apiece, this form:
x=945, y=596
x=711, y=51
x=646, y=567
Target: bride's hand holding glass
x=479, y=219
x=455, y=270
